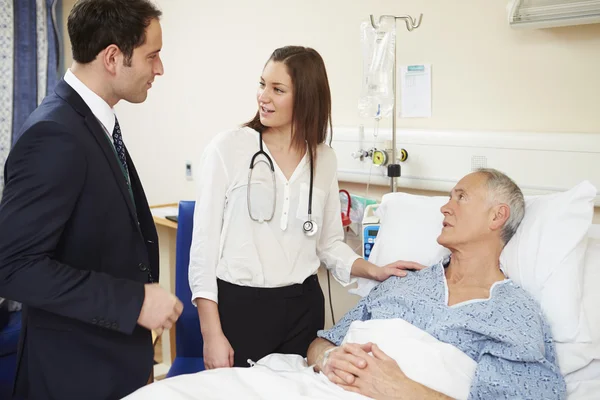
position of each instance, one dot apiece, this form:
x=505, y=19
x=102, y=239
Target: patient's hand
x=218, y=353
x=397, y=268
x=342, y=364
x=382, y=378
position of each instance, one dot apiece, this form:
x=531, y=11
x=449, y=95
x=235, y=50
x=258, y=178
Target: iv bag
x=377, y=92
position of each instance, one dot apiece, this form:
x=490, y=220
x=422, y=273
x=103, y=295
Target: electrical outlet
x=188, y=171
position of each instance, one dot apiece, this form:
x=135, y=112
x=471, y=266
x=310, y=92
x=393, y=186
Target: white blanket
x=423, y=358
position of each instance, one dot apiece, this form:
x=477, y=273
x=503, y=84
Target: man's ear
x=500, y=215
x=110, y=58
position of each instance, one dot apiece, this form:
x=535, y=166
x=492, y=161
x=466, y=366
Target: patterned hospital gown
x=506, y=335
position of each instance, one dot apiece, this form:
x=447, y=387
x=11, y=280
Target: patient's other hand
x=218, y=353
x=397, y=268
x=342, y=364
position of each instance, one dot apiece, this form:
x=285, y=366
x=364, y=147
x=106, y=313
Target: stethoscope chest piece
x=310, y=227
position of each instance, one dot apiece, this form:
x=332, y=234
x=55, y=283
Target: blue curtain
x=29, y=57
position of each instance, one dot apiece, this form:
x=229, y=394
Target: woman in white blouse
x=253, y=268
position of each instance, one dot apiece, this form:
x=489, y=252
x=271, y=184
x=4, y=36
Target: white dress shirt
x=227, y=244
x=100, y=108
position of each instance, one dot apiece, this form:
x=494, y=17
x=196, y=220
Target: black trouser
x=262, y=321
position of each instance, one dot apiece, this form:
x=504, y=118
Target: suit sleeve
x=44, y=176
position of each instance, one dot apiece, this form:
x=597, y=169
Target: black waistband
x=298, y=289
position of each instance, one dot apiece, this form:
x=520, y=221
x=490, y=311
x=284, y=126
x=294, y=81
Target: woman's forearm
x=208, y=312
x=362, y=268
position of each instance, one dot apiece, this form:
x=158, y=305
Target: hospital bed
x=564, y=216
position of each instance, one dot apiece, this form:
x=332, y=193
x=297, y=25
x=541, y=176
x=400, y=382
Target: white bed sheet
x=423, y=358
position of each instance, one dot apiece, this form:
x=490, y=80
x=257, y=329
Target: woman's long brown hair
x=311, y=115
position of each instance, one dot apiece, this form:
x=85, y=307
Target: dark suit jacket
x=76, y=251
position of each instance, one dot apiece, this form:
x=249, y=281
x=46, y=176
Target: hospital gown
x=506, y=334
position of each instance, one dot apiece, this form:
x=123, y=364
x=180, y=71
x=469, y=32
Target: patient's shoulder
x=511, y=298
x=516, y=308
x=516, y=323
x=425, y=282
x=511, y=294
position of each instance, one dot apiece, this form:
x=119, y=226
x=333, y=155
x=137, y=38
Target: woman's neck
x=279, y=139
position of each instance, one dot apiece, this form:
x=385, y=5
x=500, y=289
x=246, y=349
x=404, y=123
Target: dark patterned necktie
x=120, y=148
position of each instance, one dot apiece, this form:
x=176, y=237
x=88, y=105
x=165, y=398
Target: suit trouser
x=262, y=321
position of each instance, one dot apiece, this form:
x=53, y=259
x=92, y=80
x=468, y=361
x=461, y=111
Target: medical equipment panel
x=370, y=229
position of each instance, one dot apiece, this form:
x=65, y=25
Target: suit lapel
x=104, y=142
x=66, y=92
x=141, y=203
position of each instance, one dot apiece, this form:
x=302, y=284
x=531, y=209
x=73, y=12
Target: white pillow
x=409, y=228
x=574, y=358
x=591, y=283
x=546, y=257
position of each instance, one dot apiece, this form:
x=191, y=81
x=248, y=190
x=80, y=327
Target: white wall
x=485, y=75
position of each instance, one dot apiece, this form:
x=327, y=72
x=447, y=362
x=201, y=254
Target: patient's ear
x=500, y=215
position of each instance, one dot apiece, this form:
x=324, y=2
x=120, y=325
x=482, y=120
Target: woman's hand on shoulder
x=397, y=268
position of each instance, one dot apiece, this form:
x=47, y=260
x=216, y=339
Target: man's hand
x=382, y=378
x=397, y=268
x=160, y=309
x=342, y=365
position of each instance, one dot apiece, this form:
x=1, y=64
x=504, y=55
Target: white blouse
x=227, y=244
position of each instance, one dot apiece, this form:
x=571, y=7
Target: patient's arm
x=497, y=377
x=360, y=312
x=525, y=365
x=316, y=352
x=382, y=378
x=339, y=364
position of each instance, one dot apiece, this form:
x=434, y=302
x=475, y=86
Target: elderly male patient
x=465, y=301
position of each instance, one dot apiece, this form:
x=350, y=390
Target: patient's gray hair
x=502, y=189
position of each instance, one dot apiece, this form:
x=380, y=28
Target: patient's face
x=467, y=213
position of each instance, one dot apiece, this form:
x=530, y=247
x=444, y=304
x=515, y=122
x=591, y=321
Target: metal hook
x=410, y=21
x=373, y=22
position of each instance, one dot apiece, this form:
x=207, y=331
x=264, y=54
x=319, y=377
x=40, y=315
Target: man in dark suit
x=78, y=246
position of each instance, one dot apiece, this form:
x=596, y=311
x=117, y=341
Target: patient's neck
x=478, y=267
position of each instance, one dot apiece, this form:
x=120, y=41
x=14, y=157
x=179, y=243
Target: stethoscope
x=309, y=227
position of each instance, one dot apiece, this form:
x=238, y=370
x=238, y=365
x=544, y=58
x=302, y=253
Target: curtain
x=29, y=57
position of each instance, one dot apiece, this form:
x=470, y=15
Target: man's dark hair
x=96, y=24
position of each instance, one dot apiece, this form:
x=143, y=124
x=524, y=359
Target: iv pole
x=411, y=24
